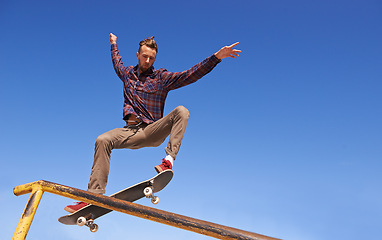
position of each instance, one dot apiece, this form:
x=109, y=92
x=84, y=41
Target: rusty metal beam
x=168, y=218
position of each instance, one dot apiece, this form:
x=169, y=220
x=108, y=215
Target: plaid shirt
x=145, y=94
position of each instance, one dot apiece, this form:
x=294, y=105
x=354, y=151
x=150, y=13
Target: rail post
x=28, y=214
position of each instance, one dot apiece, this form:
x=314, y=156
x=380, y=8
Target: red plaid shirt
x=145, y=95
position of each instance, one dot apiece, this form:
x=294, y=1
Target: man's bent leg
x=179, y=119
x=174, y=124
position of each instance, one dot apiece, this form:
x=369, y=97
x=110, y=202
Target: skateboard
x=88, y=214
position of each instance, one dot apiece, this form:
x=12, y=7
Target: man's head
x=147, y=53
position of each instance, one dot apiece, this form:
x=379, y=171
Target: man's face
x=146, y=58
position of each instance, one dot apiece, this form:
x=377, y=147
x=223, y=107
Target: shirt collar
x=147, y=72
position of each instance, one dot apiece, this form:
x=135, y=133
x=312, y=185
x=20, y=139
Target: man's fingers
x=233, y=55
x=228, y=51
x=235, y=52
x=231, y=46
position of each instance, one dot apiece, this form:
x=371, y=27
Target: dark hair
x=149, y=42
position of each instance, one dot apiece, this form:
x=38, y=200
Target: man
x=145, y=91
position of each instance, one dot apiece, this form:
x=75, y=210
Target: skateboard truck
x=81, y=221
x=149, y=193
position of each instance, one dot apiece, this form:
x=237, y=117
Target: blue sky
x=285, y=140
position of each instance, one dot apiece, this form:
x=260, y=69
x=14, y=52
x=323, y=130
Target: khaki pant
x=152, y=135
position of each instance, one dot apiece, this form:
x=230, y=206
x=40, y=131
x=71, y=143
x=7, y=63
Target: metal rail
x=191, y=224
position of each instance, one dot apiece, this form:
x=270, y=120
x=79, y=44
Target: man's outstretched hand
x=113, y=38
x=228, y=51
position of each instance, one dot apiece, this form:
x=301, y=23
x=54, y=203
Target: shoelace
x=166, y=163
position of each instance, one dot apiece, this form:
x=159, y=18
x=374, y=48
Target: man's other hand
x=113, y=39
x=228, y=51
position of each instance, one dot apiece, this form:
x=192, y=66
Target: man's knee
x=103, y=139
x=182, y=112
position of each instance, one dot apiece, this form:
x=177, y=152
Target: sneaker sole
x=69, y=210
x=158, y=169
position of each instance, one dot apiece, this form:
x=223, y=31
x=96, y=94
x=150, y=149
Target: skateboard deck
x=88, y=214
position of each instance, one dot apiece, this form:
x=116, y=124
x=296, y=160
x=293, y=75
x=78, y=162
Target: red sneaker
x=76, y=207
x=166, y=164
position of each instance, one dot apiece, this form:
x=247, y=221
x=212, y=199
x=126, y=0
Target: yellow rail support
x=191, y=224
x=28, y=215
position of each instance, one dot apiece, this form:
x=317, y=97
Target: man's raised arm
x=116, y=58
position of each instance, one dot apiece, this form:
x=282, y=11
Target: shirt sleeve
x=121, y=70
x=174, y=80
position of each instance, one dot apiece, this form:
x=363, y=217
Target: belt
x=133, y=121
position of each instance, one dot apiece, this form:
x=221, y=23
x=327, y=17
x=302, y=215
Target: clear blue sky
x=285, y=140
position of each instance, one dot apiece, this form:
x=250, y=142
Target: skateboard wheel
x=81, y=221
x=93, y=228
x=148, y=191
x=155, y=200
